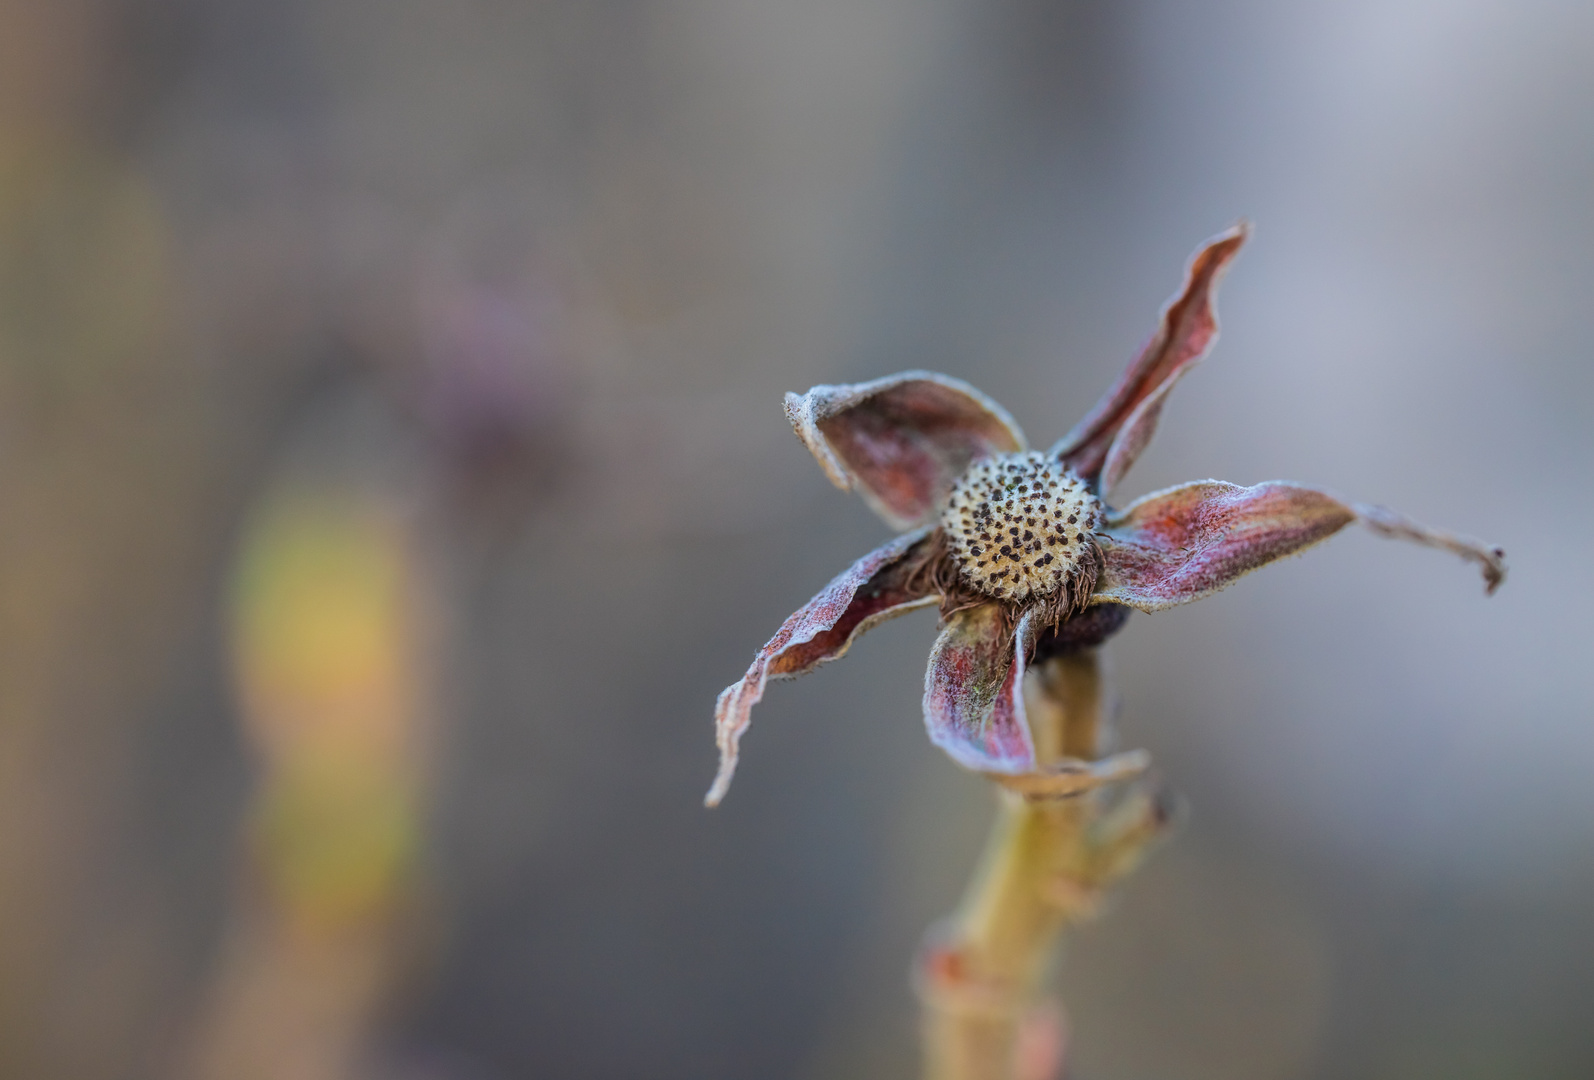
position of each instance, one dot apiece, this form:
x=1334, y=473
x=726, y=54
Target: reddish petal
x=973, y=690
x=884, y=583
x=1179, y=545
x=902, y=440
x=1106, y=442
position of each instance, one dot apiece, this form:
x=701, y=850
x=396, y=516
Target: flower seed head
x=1020, y=526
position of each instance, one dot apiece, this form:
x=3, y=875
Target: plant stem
x=1044, y=867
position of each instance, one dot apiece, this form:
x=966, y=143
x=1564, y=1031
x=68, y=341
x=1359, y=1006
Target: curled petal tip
x=799, y=413
x=1494, y=570
x=901, y=441
x=730, y=720
x=1386, y=522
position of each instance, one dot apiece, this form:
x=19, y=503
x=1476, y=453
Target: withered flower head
x=1019, y=548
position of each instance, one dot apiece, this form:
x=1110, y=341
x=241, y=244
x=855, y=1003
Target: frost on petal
x=902, y=440
x=1103, y=445
x=1181, y=544
x=973, y=690
x=1187, y=542
x=886, y=582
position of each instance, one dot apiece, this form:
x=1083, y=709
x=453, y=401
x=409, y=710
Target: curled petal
x=1103, y=445
x=974, y=707
x=973, y=690
x=1184, y=543
x=884, y=583
x=903, y=440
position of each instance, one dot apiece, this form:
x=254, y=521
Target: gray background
x=1387, y=870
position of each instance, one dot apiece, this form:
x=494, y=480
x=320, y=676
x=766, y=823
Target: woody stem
x=1041, y=871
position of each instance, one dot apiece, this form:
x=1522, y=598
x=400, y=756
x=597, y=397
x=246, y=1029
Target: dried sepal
x=1178, y=545
x=973, y=689
x=1186, y=542
x=974, y=706
x=1070, y=776
x=901, y=441
x=1102, y=447
x=883, y=584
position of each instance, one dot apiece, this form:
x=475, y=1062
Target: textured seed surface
x=1019, y=526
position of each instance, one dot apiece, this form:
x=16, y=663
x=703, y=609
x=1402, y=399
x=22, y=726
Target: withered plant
x=1032, y=570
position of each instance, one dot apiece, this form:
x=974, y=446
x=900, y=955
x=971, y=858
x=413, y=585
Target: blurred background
x=393, y=472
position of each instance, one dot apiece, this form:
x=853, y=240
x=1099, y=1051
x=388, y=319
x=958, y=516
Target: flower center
x=1020, y=526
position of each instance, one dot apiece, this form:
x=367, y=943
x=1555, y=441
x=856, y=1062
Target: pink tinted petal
x=901, y=440
x=1179, y=545
x=973, y=690
x=1106, y=442
x=882, y=584
x=1184, y=543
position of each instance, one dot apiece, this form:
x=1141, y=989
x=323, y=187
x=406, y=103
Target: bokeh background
x=393, y=472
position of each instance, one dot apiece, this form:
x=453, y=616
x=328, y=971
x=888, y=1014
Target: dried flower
x=1019, y=548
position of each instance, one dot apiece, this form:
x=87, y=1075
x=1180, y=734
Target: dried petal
x=974, y=707
x=901, y=440
x=884, y=583
x=1187, y=542
x=973, y=690
x=1103, y=445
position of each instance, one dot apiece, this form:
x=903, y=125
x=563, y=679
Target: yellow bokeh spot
x=325, y=624
x=326, y=642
